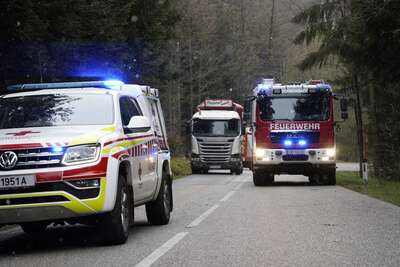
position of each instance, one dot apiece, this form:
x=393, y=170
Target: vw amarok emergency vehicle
x=85, y=152
x=291, y=130
x=216, y=136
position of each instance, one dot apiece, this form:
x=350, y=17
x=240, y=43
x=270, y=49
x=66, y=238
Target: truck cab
x=216, y=137
x=291, y=131
x=83, y=152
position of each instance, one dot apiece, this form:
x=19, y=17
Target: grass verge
x=180, y=167
x=388, y=191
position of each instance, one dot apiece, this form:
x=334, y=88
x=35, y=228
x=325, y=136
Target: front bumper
x=233, y=163
x=25, y=206
x=279, y=161
x=280, y=156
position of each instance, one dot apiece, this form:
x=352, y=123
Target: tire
x=330, y=177
x=115, y=225
x=158, y=212
x=237, y=171
x=261, y=178
x=326, y=177
x=34, y=227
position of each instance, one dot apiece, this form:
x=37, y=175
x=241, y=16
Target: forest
x=193, y=49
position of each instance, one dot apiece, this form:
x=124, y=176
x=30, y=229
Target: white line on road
x=202, y=217
x=158, y=253
x=227, y=196
x=237, y=187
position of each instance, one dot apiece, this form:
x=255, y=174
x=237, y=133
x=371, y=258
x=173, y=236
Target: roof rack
x=148, y=91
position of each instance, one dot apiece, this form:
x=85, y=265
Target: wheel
x=115, y=225
x=34, y=227
x=329, y=177
x=261, y=178
x=195, y=171
x=239, y=171
x=325, y=177
x=158, y=212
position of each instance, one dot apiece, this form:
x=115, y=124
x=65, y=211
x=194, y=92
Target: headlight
x=331, y=152
x=81, y=154
x=260, y=152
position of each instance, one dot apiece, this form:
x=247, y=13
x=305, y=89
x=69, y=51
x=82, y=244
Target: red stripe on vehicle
x=21, y=146
x=126, y=139
x=98, y=170
x=49, y=177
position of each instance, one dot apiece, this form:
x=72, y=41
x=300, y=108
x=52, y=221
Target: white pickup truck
x=84, y=152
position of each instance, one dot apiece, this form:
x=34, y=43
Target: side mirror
x=243, y=128
x=247, y=110
x=344, y=105
x=139, y=124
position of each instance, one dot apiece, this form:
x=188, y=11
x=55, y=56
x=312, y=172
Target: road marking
x=158, y=253
x=227, y=196
x=199, y=219
x=238, y=186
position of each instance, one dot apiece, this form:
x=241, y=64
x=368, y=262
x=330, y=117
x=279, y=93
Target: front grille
x=36, y=158
x=55, y=186
x=295, y=157
x=280, y=137
x=215, y=152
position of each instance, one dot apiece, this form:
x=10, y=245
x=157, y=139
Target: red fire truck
x=290, y=130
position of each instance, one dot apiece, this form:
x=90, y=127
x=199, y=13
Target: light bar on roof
x=65, y=85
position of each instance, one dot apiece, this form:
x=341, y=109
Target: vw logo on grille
x=8, y=160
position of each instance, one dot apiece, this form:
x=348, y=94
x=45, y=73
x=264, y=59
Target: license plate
x=7, y=182
x=296, y=152
x=215, y=167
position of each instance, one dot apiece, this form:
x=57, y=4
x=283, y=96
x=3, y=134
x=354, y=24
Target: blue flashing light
x=302, y=142
x=264, y=89
x=57, y=149
x=324, y=87
x=288, y=142
x=113, y=83
x=65, y=85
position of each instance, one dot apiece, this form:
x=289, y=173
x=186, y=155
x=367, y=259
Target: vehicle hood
x=56, y=136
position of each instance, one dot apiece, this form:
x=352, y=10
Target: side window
x=125, y=116
x=129, y=108
x=134, y=107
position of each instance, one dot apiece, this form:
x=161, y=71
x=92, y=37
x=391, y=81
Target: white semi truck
x=216, y=140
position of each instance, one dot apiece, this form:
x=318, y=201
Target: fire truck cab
x=290, y=130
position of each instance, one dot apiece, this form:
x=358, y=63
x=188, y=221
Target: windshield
x=56, y=110
x=216, y=128
x=303, y=108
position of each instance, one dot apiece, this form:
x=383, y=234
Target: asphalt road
x=223, y=220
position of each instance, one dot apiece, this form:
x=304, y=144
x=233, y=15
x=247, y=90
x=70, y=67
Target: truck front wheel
x=262, y=178
x=324, y=177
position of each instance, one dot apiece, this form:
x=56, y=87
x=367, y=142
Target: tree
x=361, y=36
